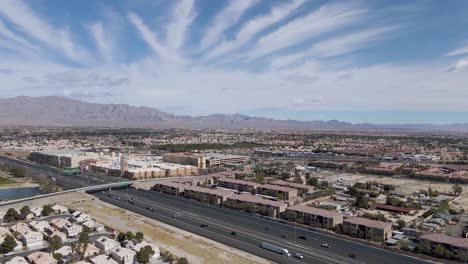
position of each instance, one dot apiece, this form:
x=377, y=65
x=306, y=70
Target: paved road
x=251, y=229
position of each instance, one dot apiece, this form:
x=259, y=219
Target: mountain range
x=61, y=111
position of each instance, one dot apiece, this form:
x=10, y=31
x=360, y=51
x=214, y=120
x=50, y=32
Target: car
x=177, y=215
x=205, y=225
x=118, y=198
x=325, y=245
x=284, y=236
x=352, y=255
x=9, y=254
x=302, y=237
x=299, y=256
x=233, y=233
x=267, y=228
x=148, y=208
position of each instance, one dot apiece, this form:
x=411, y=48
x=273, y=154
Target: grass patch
x=4, y=181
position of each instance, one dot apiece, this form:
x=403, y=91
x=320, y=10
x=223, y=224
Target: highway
x=250, y=230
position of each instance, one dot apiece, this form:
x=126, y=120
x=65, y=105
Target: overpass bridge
x=93, y=188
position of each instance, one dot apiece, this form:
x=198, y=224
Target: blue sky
x=358, y=61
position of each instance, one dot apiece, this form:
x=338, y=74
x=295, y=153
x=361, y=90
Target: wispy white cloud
x=255, y=26
x=182, y=17
x=150, y=38
x=461, y=65
x=15, y=37
x=326, y=19
x=339, y=45
x=32, y=24
x=103, y=44
x=228, y=17
x=460, y=51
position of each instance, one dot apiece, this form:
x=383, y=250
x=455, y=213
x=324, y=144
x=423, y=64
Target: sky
x=383, y=62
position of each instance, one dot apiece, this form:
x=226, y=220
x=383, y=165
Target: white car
x=299, y=256
x=9, y=254
x=325, y=245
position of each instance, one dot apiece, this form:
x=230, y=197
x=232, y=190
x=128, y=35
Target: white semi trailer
x=275, y=249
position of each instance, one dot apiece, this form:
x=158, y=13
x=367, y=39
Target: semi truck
x=275, y=249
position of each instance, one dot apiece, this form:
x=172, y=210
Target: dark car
x=233, y=233
x=267, y=228
x=303, y=237
x=352, y=256
x=284, y=236
x=204, y=225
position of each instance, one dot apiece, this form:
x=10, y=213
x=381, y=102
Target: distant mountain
x=61, y=111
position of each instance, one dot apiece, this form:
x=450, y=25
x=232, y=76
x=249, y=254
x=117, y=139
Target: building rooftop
x=256, y=199
x=445, y=239
x=277, y=188
x=368, y=222
x=314, y=211
x=293, y=185
x=241, y=182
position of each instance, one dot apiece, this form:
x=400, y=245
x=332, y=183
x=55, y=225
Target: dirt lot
x=197, y=249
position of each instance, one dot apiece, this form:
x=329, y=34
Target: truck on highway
x=275, y=249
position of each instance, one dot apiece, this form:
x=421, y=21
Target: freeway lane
x=192, y=223
x=340, y=247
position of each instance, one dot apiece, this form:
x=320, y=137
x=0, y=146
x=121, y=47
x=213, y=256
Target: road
x=250, y=229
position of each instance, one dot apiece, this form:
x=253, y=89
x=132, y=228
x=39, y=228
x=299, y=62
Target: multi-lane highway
x=250, y=230
x=230, y=227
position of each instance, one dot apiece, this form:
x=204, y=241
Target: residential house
x=91, y=250
x=39, y=225
x=32, y=238
x=59, y=223
x=50, y=232
x=106, y=244
x=64, y=251
x=59, y=209
x=17, y=260
x=103, y=259
x=123, y=255
x=37, y=211
x=143, y=244
x=39, y=257
x=20, y=228
x=80, y=217
x=72, y=230
x=5, y=232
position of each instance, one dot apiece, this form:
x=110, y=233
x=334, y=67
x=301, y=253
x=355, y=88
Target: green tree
x=312, y=182
x=260, y=178
x=83, y=238
x=121, y=237
x=11, y=215
x=362, y=201
x=24, y=211
x=8, y=244
x=457, y=189
x=55, y=242
x=19, y=172
x=324, y=185
x=145, y=254
x=182, y=260
x=439, y=251
x=47, y=210
x=129, y=235
x=444, y=205
x=401, y=223
x=57, y=256
x=139, y=236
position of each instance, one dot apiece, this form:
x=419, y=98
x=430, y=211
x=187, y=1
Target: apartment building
x=367, y=229
x=123, y=255
x=280, y=192
x=213, y=196
x=456, y=245
x=301, y=188
x=169, y=187
x=313, y=216
x=106, y=244
x=238, y=185
x=217, y=159
x=255, y=204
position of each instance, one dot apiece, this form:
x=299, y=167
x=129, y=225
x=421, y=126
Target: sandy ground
x=197, y=249
x=19, y=182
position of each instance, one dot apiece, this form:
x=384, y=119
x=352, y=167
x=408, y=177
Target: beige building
x=280, y=192
x=39, y=257
x=17, y=260
x=213, y=196
x=216, y=159
x=143, y=244
x=32, y=238
x=196, y=160
x=313, y=216
x=367, y=229
x=238, y=185
x=103, y=259
x=123, y=255
x=255, y=204
x=106, y=244
x=457, y=246
x=302, y=188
